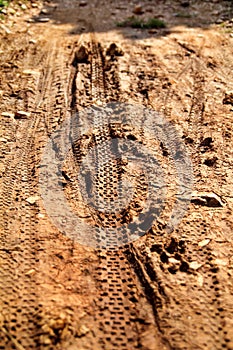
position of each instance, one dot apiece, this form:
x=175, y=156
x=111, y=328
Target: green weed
x=155, y=23
x=135, y=22
x=4, y=3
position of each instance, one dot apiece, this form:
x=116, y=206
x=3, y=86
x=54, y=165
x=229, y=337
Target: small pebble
x=22, y=115
x=204, y=242
x=138, y=10
x=152, y=31
x=43, y=19
x=30, y=272
x=83, y=3
x=82, y=330
x=185, y=4
x=114, y=50
x=32, y=199
x=207, y=199
x=81, y=55
x=228, y=98
x=194, y=265
x=44, y=11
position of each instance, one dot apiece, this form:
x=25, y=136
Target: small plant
x=183, y=15
x=155, y=23
x=135, y=22
x=4, y=3
x=131, y=22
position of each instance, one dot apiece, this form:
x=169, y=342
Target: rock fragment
x=173, y=261
x=81, y=55
x=207, y=199
x=114, y=50
x=30, y=272
x=42, y=19
x=194, y=265
x=207, y=141
x=82, y=330
x=32, y=199
x=204, y=242
x=210, y=161
x=138, y=10
x=22, y=115
x=83, y=3
x=228, y=99
x=44, y=11
x=185, y=4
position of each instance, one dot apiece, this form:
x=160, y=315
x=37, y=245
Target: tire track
x=119, y=318
x=21, y=309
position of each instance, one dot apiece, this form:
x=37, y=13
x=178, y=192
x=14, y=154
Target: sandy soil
x=166, y=290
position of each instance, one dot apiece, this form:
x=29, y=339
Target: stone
x=208, y=199
x=173, y=261
x=204, y=242
x=152, y=31
x=138, y=10
x=114, y=50
x=207, y=141
x=32, y=199
x=81, y=55
x=185, y=4
x=43, y=19
x=82, y=330
x=228, y=99
x=210, y=161
x=83, y=3
x=22, y=115
x=44, y=11
x=194, y=265
x=30, y=272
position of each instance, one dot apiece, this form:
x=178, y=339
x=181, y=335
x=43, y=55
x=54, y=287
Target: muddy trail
x=116, y=286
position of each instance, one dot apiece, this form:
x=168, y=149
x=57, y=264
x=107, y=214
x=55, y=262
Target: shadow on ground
x=102, y=16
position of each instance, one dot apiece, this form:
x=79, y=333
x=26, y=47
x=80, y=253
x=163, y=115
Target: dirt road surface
x=168, y=289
